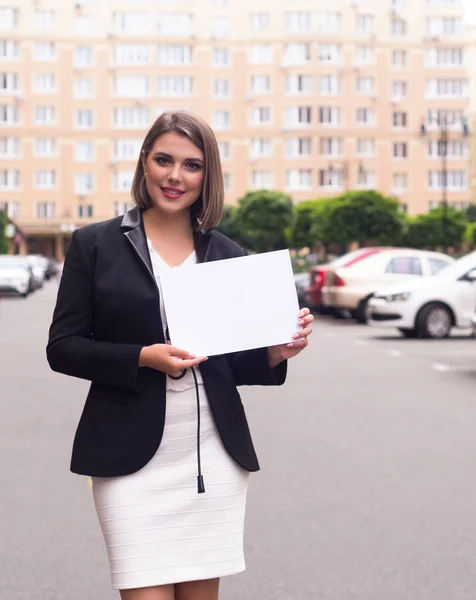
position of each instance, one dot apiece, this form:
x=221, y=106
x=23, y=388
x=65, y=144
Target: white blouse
x=159, y=266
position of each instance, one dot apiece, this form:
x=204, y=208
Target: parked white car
x=15, y=276
x=429, y=308
x=350, y=288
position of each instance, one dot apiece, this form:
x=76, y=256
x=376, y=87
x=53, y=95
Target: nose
x=174, y=173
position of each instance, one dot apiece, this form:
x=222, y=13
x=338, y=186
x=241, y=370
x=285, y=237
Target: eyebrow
x=165, y=155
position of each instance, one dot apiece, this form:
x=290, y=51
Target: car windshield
x=459, y=268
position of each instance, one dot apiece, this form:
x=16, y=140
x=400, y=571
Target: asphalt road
x=367, y=488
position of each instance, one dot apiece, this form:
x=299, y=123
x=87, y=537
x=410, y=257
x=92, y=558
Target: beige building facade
x=311, y=97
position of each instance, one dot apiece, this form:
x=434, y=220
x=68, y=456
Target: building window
x=299, y=179
x=45, y=83
x=445, y=57
x=85, y=211
x=45, y=115
x=331, y=146
x=400, y=183
x=175, y=22
x=123, y=180
x=220, y=57
x=221, y=119
x=131, y=54
x=127, y=149
x=260, y=148
x=261, y=115
x=330, y=115
x=225, y=150
x=83, y=151
x=131, y=117
x=9, y=114
x=364, y=23
x=259, y=21
x=299, y=147
x=131, y=23
x=10, y=147
x=330, y=53
x=175, y=54
x=331, y=178
x=447, y=88
x=45, y=179
x=261, y=54
x=364, y=55
x=45, y=147
x=398, y=27
x=220, y=27
x=262, y=180
x=44, y=19
x=399, y=58
x=10, y=179
x=328, y=22
x=443, y=26
x=131, y=86
x=365, y=116
x=9, y=18
x=365, y=85
x=399, y=90
x=455, y=180
x=45, y=210
x=84, y=118
x=399, y=119
x=366, y=179
x=455, y=149
x=83, y=56
x=297, y=22
x=9, y=49
x=297, y=54
x=83, y=87
x=400, y=150
x=329, y=85
x=84, y=183
x=366, y=147
x=221, y=88
x=260, y=84
x=121, y=208
x=299, y=84
x=298, y=116
x=12, y=209
x=83, y=25
x=454, y=118
x=9, y=82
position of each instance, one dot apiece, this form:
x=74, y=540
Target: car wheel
x=408, y=333
x=361, y=314
x=434, y=321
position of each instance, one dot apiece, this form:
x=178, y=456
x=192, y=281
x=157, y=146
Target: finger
x=303, y=312
x=179, y=353
x=188, y=364
x=298, y=345
x=306, y=320
x=303, y=333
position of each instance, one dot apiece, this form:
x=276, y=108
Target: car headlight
x=398, y=297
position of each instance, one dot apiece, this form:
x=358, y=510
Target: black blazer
x=108, y=309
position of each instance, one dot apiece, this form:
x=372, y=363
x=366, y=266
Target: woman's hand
x=276, y=354
x=168, y=359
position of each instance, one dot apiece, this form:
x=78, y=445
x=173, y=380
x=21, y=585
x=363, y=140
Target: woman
x=157, y=421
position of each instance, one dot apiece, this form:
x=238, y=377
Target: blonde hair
x=207, y=211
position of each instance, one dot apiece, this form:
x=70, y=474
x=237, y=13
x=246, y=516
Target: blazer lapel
x=133, y=227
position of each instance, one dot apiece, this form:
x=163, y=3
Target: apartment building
x=312, y=97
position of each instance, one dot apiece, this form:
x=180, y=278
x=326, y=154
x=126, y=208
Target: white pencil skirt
x=157, y=528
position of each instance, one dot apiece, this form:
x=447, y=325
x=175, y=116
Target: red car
x=318, y=274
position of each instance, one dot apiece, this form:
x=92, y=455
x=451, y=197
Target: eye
x=161, y=160
x=194, y=166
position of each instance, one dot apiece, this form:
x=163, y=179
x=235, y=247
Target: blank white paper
x=231, y=305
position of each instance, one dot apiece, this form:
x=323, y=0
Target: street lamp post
x=443, y=138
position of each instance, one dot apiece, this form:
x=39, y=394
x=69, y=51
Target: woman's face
x=174, y=172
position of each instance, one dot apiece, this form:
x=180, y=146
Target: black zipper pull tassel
x=200, y=481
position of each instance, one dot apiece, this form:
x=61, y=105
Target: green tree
x=3, y=237
x=300, y=232
x=229, y=225
x=429, y=231
x=471, y=213
x=362, y=217
x=470, y=234
x=263, y=217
